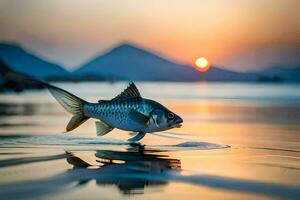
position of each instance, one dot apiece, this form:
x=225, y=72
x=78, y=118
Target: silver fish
x=128, y=111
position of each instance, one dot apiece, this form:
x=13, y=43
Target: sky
x=241, y=35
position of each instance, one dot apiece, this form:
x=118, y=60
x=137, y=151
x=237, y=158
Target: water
x=238, y=141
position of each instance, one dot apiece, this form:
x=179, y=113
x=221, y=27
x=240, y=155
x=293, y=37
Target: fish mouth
x=177, y=125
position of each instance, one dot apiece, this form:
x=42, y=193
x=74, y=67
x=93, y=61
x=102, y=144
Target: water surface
x=238, y=141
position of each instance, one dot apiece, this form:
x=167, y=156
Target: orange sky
x=236, y=34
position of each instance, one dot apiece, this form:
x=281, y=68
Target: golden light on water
x=202, y=64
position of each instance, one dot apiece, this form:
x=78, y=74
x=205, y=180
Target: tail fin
x=72, y=104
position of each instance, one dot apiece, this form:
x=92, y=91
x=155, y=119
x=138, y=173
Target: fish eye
x=171, y=115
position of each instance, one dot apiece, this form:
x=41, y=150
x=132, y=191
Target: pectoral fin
x=139, y=117
x=102, y=128
x=137, y=137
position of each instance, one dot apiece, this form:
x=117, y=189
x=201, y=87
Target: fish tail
x=72, y=104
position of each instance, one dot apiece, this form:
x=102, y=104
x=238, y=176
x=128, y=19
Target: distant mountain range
x=292, y=74
x=129, y=62
x=26, y=62
x=10, y=80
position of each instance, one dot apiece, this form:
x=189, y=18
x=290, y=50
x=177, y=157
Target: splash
x=66, y=140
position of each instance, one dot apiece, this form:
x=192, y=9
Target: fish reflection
x=131, y=171
x=125, y=169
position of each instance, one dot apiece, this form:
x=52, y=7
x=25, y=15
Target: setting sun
x=202, y=64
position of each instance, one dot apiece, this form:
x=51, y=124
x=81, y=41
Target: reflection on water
x=120, y=168
x=238, y=141
x=131, y=171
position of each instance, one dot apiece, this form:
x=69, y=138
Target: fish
x=128, y=111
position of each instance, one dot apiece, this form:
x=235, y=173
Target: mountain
x=129, y=62
x=11, y=80
x=26, y=62
x=287, y=74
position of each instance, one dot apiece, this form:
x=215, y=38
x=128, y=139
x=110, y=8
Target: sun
x=202, y=64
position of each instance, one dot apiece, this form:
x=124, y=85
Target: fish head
x=162, y=119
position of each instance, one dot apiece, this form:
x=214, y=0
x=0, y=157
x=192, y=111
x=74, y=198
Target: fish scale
x=116, y=113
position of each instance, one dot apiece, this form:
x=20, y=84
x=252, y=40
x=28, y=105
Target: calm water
x=238, y=141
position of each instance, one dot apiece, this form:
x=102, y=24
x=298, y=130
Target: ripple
x=58, y=140
x=190, y=145
x=67, y=140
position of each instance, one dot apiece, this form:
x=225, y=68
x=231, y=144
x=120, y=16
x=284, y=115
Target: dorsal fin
x=130, y=92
